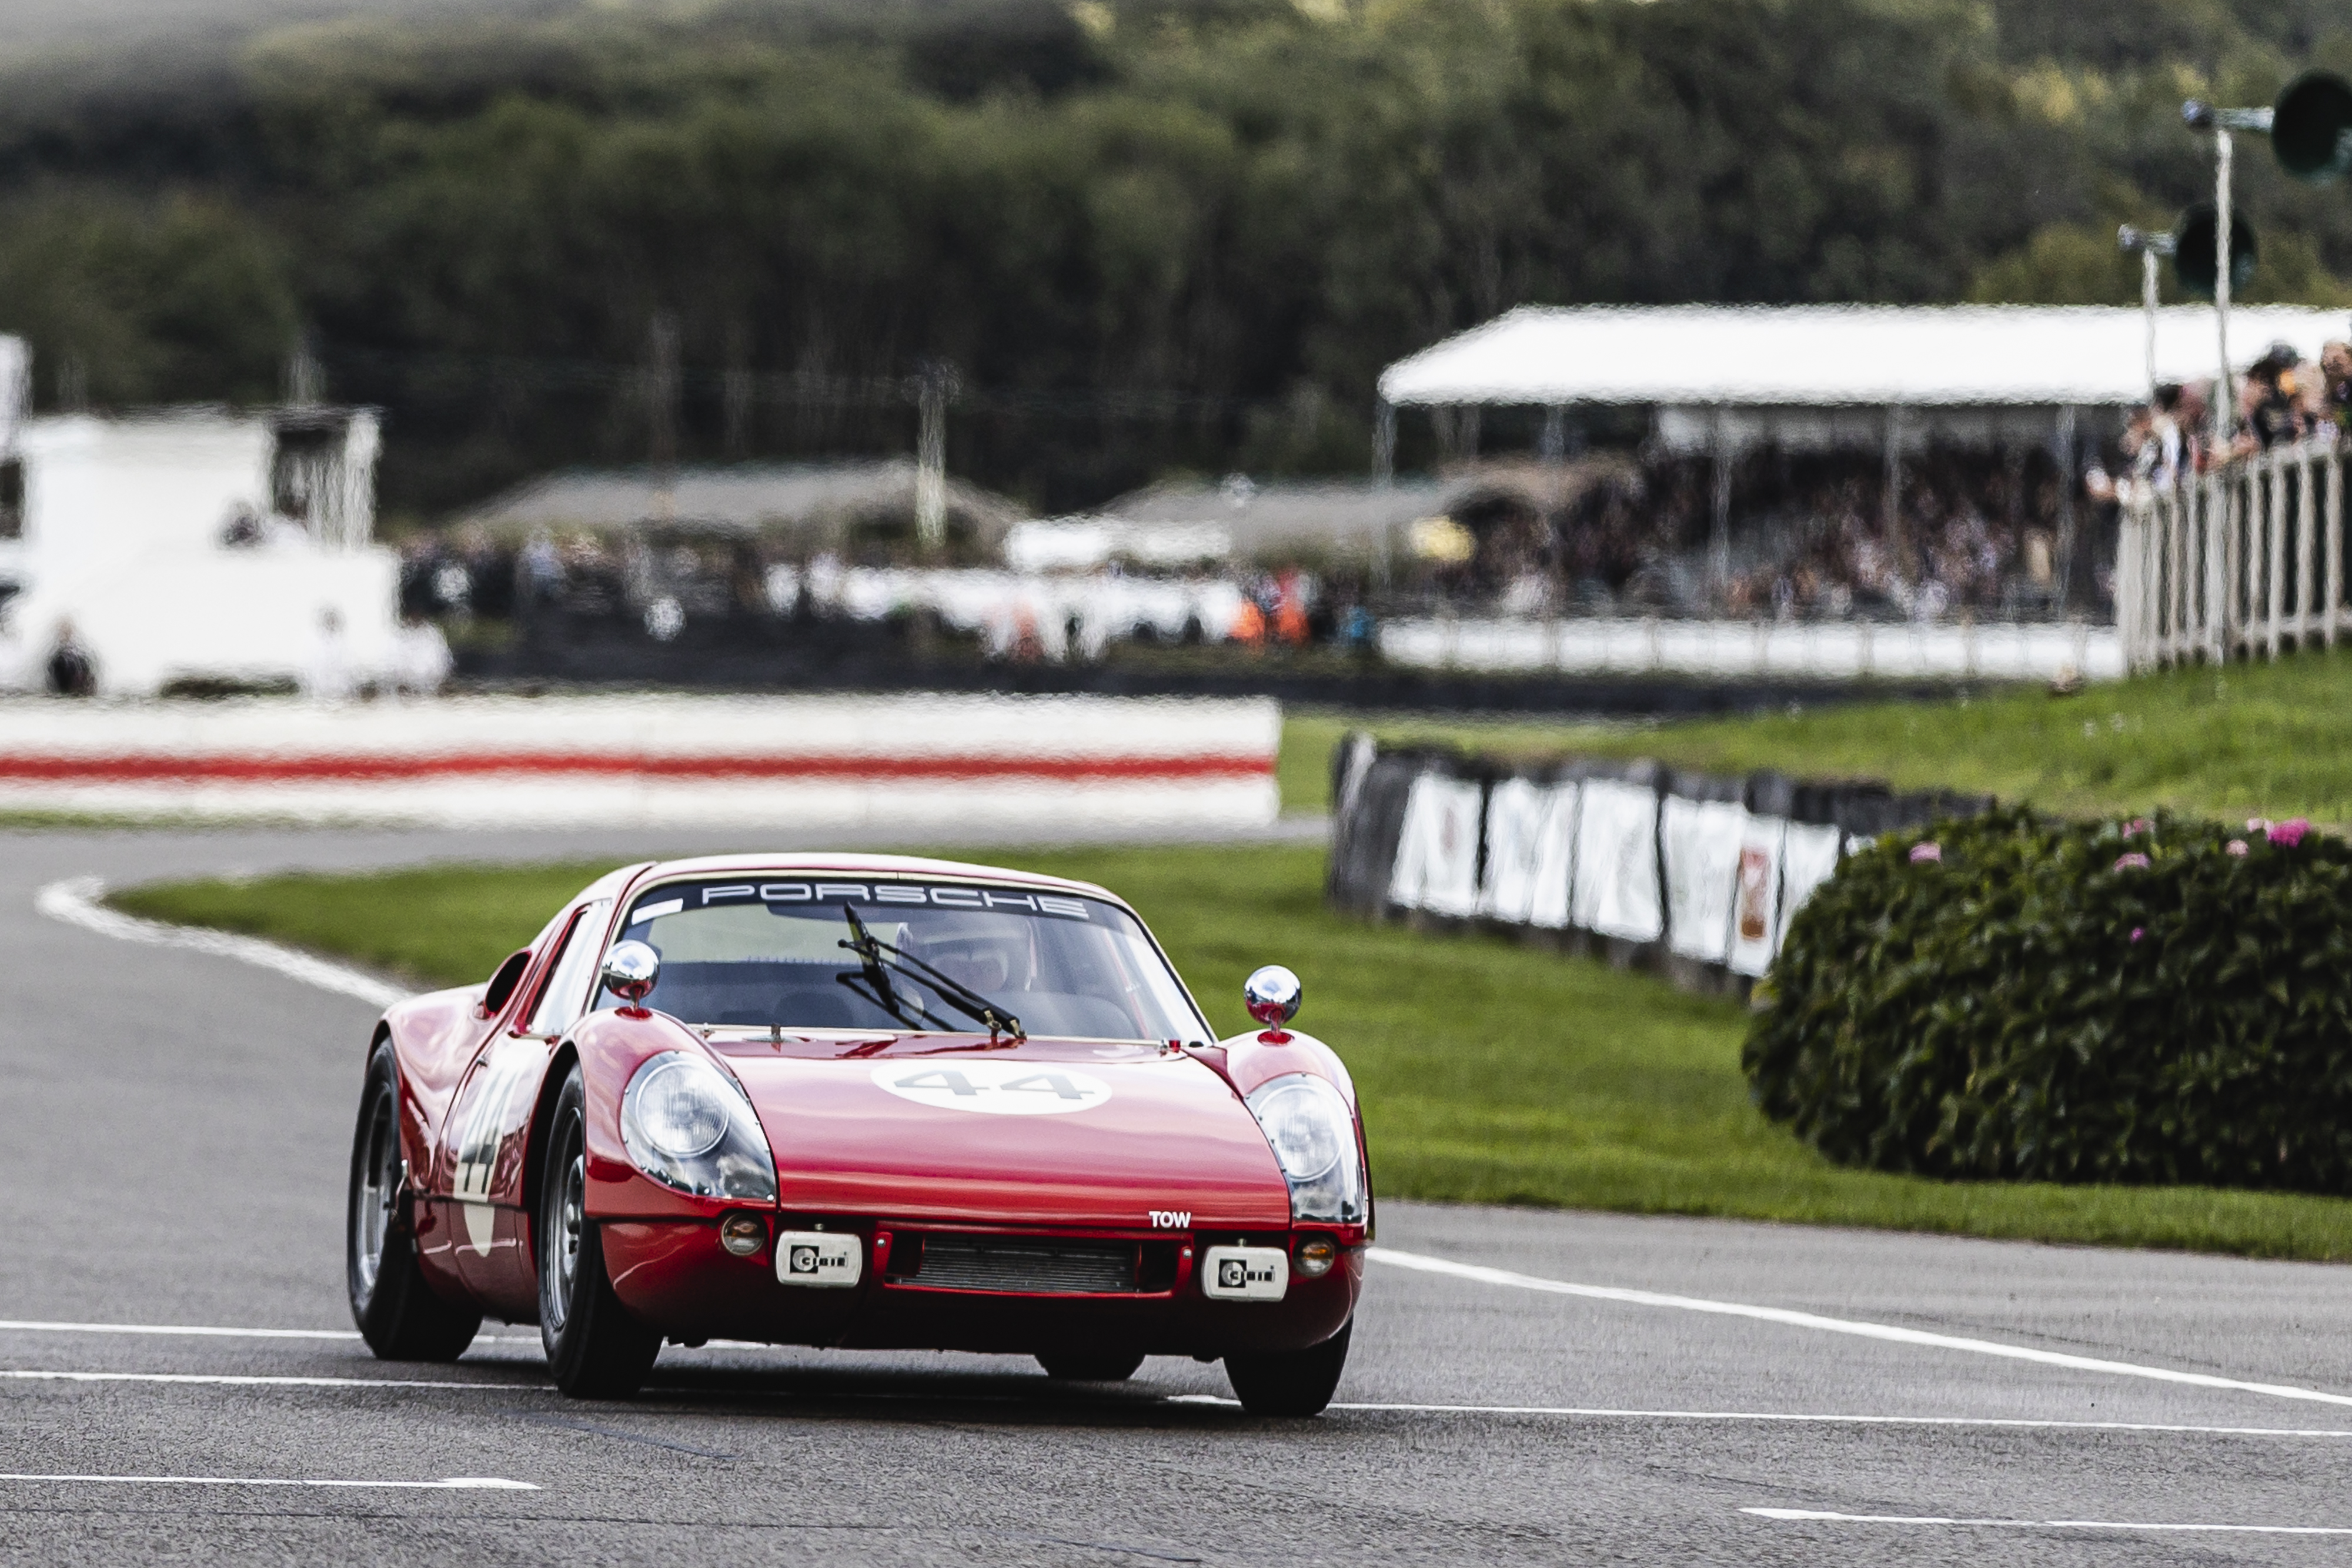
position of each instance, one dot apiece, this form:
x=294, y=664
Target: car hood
x=1016, y=1137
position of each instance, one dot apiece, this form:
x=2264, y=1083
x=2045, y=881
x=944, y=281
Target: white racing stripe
x=1860, y=1329
x=36, y=1325
x=75, y=902
x=1799, y=1418
x=33, y=1325
x=450, y=1483
x=1820, y=1516
x=250, y=1380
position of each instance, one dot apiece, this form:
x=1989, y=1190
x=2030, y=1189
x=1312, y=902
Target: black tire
x=1290, y=1382
x=594, y=1348
x=397, y=1310
x=1096, y=1366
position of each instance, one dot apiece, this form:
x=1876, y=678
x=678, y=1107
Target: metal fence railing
x=2244, y=560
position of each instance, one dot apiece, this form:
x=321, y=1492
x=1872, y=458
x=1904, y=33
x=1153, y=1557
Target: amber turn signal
x=1316, y=1255
x=743, y=1234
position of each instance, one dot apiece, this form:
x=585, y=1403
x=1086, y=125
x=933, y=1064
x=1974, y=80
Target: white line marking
x=32, y=1326
x=75, y=902
x=251, y=1380
x=1886, y=1332
x=451, y=1483
x=1818, y=1516
x=1798, y=1417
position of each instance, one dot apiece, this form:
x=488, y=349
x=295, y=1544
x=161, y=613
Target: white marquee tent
x=1837, y=356
x=1721, y=379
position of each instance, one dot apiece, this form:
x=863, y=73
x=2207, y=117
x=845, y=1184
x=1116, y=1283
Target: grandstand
x=1820, y=462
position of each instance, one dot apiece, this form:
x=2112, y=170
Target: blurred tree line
x=1148, y=235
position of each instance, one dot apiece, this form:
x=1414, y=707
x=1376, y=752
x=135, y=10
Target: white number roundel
x=993, y=1088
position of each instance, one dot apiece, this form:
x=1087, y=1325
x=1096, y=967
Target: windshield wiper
x=878, y=989
x=878, y=955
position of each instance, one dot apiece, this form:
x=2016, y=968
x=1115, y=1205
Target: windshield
x=768, y=955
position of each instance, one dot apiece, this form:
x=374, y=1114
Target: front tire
x=393, y=1305
x=1290, y=1382
x=1080, y=1366
x=594, y=1348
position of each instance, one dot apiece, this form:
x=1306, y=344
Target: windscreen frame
x=623, y=915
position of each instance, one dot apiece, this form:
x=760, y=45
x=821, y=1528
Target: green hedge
x=2165, y=1001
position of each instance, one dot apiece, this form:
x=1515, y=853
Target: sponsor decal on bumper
x=1246, y=1273
x=821, y=1258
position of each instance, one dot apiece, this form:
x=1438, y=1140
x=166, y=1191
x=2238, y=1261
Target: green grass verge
x=1490, y=1071
x=2248, y=740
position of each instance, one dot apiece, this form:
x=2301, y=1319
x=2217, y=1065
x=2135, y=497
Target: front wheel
x=1290, y=1382
x=395, y=1307
x=594, y=1348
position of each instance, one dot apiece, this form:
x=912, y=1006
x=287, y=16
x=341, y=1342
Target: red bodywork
x=1172, y=1163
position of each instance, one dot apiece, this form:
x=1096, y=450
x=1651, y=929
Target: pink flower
x=2132, y=862
x=2258, y=824
x=2137, y=825
x=2235, y=846
x=2138, y=931
x=2290, y=833
x=1920, y=853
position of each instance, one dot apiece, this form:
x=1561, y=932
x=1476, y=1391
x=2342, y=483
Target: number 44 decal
x=993, y=1088
x=952, y=1079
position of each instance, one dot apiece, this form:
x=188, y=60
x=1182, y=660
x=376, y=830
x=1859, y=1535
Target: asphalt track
x=1527, y=1387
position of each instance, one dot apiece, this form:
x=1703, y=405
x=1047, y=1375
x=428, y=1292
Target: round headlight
x=1299, y=1124
x=679, y=1110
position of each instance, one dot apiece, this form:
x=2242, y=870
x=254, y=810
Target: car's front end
x=1153, y=1214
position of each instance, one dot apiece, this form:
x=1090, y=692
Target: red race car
x=867, y=1102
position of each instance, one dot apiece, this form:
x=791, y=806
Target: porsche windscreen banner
x=907, y=954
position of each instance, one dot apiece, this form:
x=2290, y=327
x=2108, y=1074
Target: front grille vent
x=1025, y=1264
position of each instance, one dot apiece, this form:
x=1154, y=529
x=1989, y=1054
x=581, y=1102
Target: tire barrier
x=1695, y=875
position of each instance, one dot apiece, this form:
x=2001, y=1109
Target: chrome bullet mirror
x=1273, y=995
x=630, y=970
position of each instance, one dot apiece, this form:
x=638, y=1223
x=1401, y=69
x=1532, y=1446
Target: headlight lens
x=1313, y=1136
x=687, y=1125
x=678, y=1112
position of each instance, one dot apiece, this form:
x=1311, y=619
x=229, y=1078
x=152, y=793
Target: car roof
x=862, y=864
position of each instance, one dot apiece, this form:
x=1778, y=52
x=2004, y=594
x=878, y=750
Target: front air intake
x=1027, y=1265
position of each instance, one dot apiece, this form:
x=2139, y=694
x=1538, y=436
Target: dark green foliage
x=1253, y=204
x=2025, y=1009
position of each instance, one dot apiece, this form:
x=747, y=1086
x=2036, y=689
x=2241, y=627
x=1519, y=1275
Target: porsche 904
x=862, y=1101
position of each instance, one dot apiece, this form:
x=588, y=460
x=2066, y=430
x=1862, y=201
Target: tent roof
x=1825, y=355
x=743, y=497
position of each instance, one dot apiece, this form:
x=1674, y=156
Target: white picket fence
x=1804, y=650
x=2245, y=559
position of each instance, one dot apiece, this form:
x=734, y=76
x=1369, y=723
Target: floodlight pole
x=2222, y=122
x=2150, y=246
x=2225, y=406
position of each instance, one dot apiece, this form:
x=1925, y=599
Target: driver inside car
x=990, y=961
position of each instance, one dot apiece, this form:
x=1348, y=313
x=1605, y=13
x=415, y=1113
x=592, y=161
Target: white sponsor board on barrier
x=1701, y=841
x=1616, y=890
x=1756, y=900
x=1809, y=854
x=1437, y=854
x=1717, y=882
x=1531, y=853
x=825, y=763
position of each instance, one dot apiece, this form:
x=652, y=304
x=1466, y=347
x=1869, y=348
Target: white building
x=198, y=546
